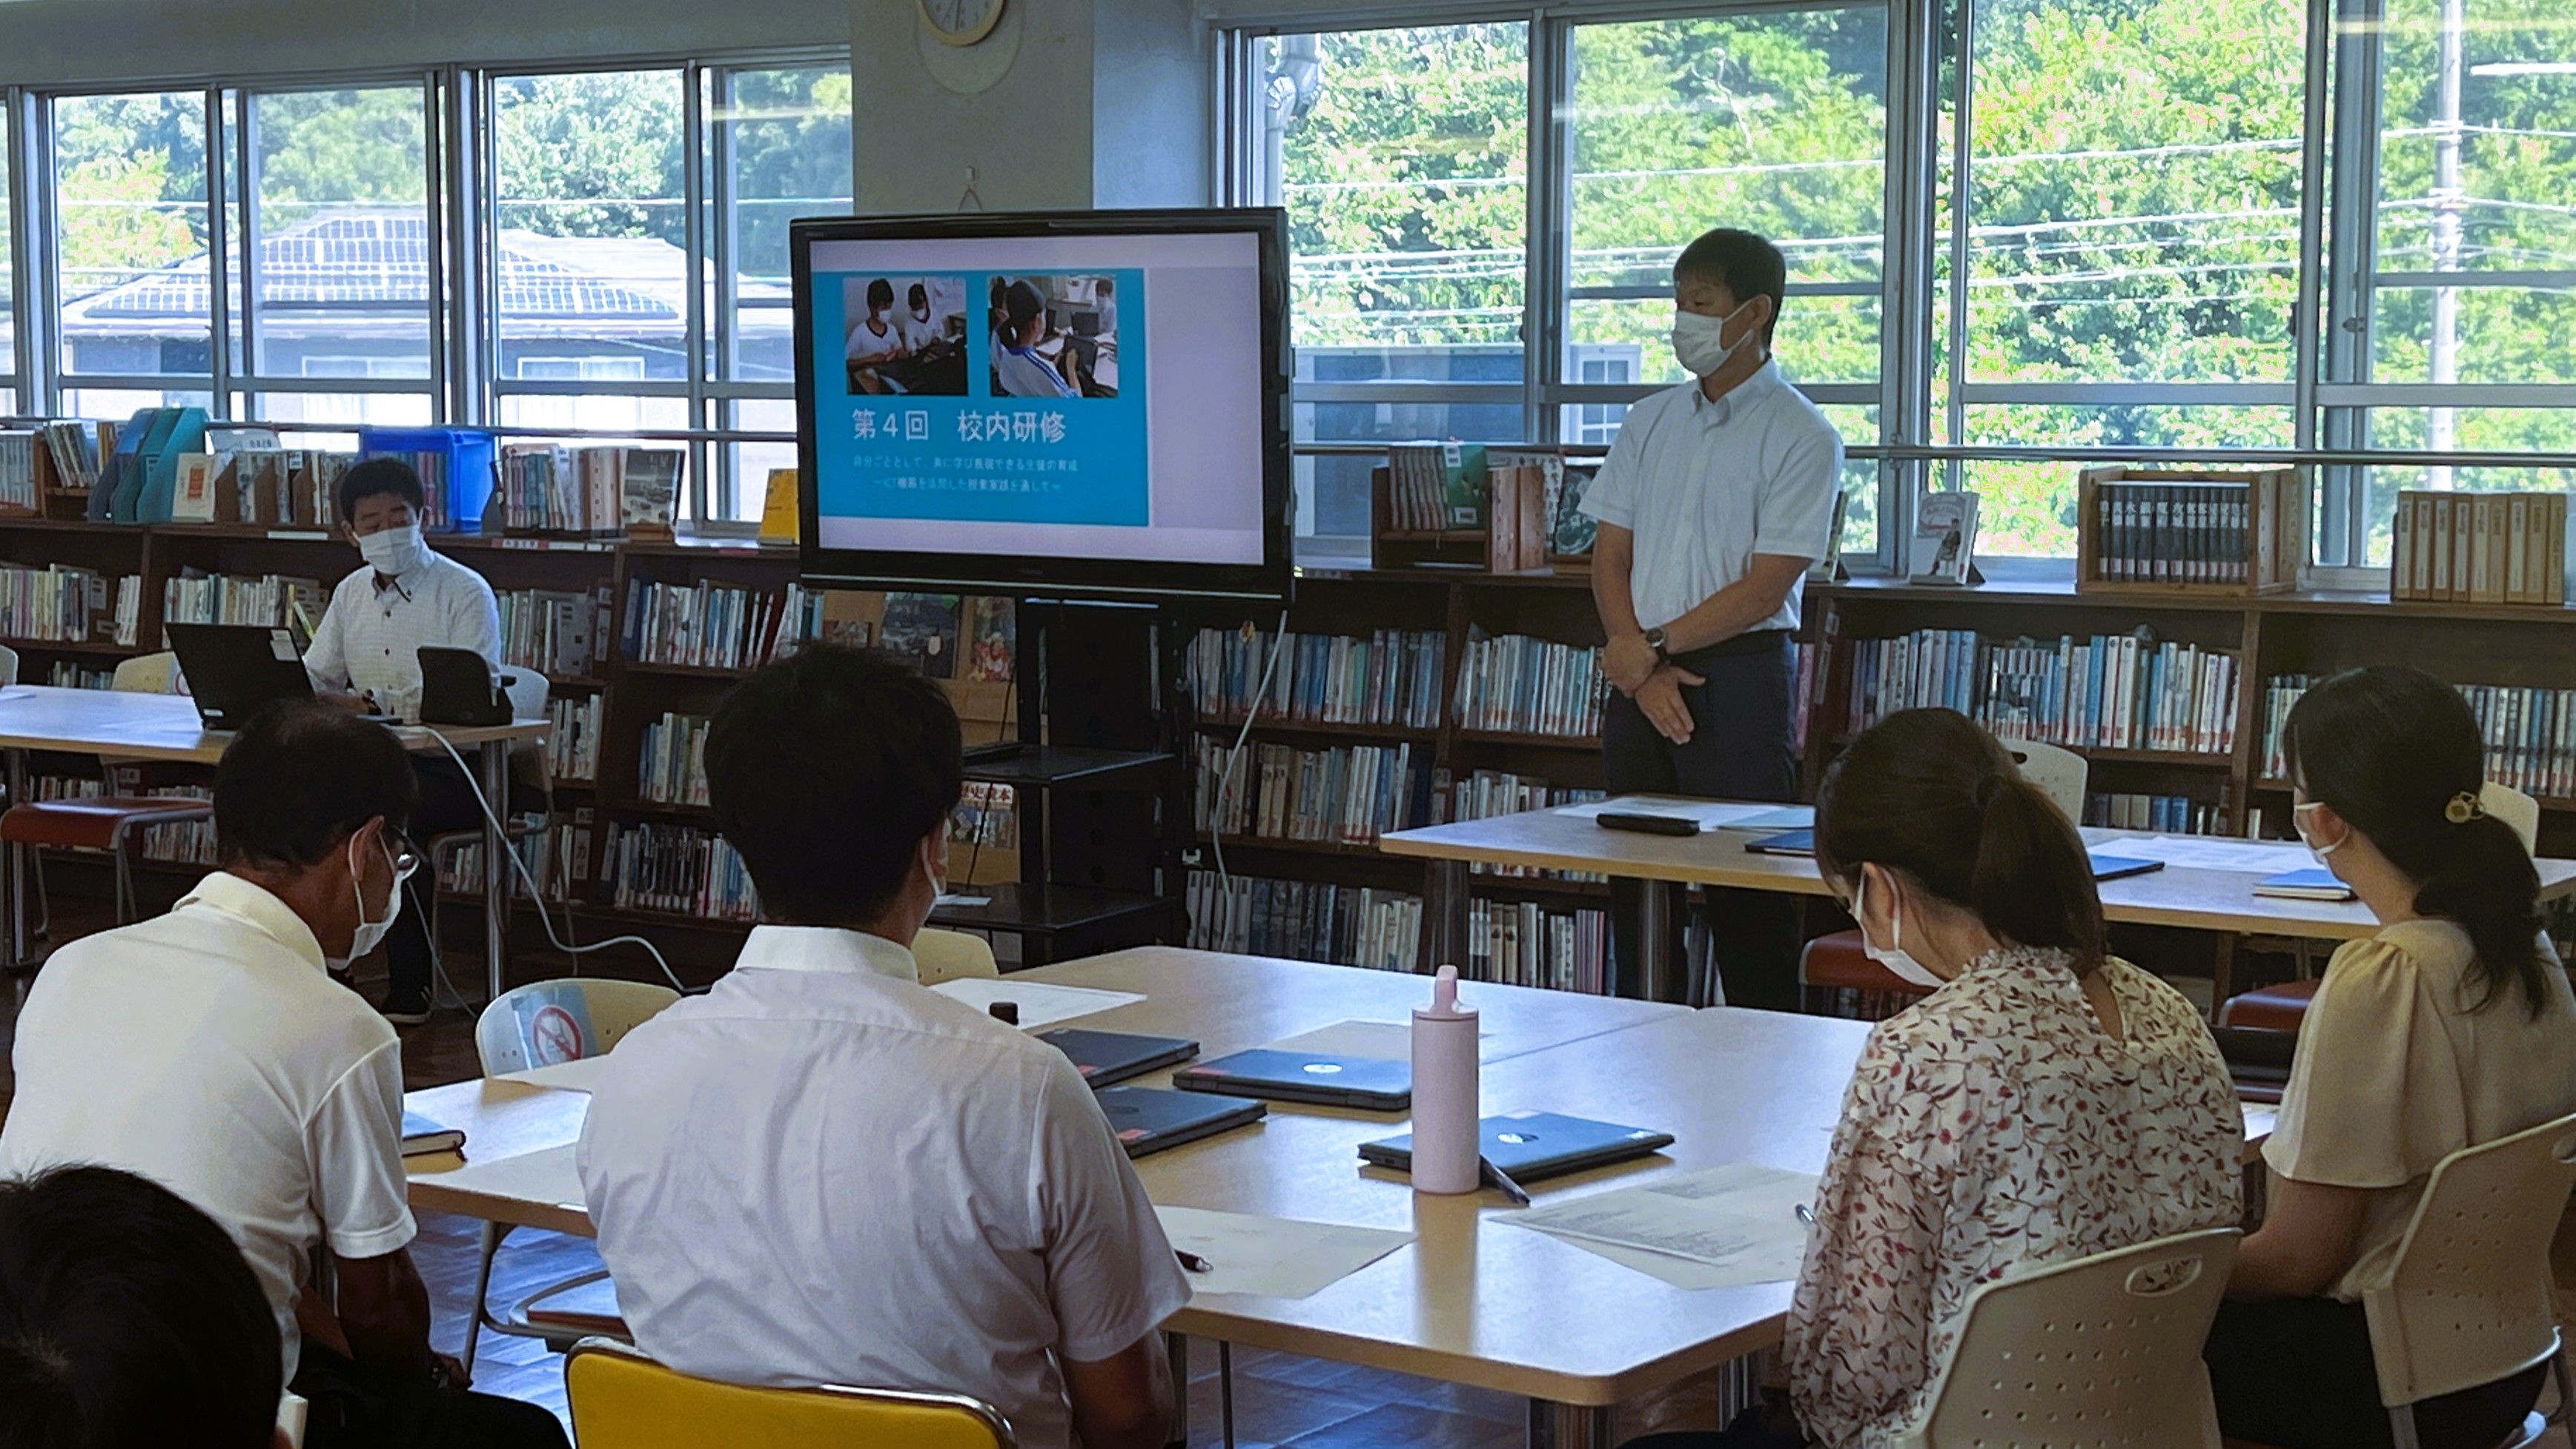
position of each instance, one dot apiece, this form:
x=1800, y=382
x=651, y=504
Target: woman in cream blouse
x=2451, y=1027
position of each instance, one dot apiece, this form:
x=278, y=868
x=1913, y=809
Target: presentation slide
x=1057, y=396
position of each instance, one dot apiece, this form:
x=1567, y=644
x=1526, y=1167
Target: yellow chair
x=948, y=955
x=624, y=1400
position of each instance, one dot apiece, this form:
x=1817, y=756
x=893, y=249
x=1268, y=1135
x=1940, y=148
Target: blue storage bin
x=457, y=468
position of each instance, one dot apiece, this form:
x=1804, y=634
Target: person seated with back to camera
x=2452, y=1026
x=2047, y=1101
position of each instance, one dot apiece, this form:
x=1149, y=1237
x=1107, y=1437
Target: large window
x=9, y=396
x=130, y=251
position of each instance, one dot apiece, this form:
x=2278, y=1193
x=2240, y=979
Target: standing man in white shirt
x=209, y=1051
x=823, y=1172
x=1717, y=496
x=366, y=652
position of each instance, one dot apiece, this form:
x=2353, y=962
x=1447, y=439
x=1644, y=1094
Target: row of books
x=62, y=454
x=987, y=817
x=2109, y=691
x=2479, y=548
x=2165, y=814
x=59, y=604
x=671, y=767
x=2172, y=533
x=709, y=626
x=1390, y=678
x=1305, y=920
x=286, y=487
x=558, y=857
x=678, y=869
x=572, y=737
x=1437, y=485
x=553, y=631
x=270, y=600
x=2530, y=732
x=1521, y=943
x=1488, y=793
x=583, y=492
x=945, y=636
x=1344, y=796
x=1515, y=684
x=69, y=675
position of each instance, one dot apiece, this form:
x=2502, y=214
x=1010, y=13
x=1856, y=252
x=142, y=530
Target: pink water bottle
x=1445, y=1136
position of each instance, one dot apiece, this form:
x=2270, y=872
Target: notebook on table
x=2107, y=866
x=1533, y=1146
x=422, y=1136
x=1372, y=1084
x=1786, y=842
x=1104, y=1057
x=1150, y=1119
x=2313, y=884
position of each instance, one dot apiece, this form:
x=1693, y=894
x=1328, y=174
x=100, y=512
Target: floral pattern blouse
x=1995, y=1126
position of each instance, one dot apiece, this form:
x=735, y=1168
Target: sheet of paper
x=580, y=1076
x=547, y=1177
x=1041, y=1004
x=2193, y=852
x=1711, y=814
x=1718, y=1227
x=1273, y=1257
x=2259, y=1122
x=1382, y=1040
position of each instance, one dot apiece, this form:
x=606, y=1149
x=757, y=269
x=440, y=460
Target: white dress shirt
x=824, y=1172
x=369, y=639
x=1707, y=485
x=207, y=1050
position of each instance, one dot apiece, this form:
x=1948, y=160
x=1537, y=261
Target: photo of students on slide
x=907, y=335
x=1055, y=336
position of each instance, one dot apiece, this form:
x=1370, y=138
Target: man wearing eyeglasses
x=209, y=1051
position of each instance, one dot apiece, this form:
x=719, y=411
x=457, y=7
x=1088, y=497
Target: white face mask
x=2299, y=819
x=394, y=550
x=371, y=934
x=1699, y=341
x=1893, y=956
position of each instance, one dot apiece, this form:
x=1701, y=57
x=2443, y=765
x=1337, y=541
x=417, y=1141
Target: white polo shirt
x=207, y=1050
x=369, y=639
x=1707, y=485
x=824, y=1172
x=1023, y=373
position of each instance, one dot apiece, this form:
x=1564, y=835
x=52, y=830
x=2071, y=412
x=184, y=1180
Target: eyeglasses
x=406, y=857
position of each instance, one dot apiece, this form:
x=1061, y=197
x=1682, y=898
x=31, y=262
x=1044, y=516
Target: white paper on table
x=1041, y=1003
x=1390, y=1041
x=574, y=1076
x=1708, y=814
x=2259, y=1122
x=548, y=1177
x=1719, y=1227
x=1273, y=1257
x=2245, y=857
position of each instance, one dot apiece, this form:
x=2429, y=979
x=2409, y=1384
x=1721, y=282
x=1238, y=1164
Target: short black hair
x=1746, y=265
x=1021, y=303
x=1108, y=285
x=826, y=770
x=880, y=293
x=919, y=296
x=377, y=477
x=303, y=776
x=128, y=1319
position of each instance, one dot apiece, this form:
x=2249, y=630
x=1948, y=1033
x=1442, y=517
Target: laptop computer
x=1533, y=1146
x=1104, y=1057
x=234, y=669
x=1372, y=1084
x=1150, y=1119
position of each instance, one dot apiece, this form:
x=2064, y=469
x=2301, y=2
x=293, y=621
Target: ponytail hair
x=2398, y=754
x=1927, y=792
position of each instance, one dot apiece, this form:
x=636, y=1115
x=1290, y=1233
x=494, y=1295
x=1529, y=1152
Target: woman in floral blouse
x=2047, y=1101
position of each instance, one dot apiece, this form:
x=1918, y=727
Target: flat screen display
x=1066, y=404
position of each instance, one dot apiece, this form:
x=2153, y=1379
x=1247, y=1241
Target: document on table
x=574, y=1076
x=1040, y=1003
x=1720, y=1227
x=1273, y=1257
x=548, y=1177
x=1382, y=1040
x=2190, y=852
x=1709, y=814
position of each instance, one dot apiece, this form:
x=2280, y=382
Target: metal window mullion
x=1905, y=269
x=693, y=218
x=483, y=194
x=1547, y=162
x=2306, y=317
x=246, y=173
x=2345, y=337
x=435, y=254
x=24, y=289
x=722, y=239
x=1961, y=137
x=218, y=260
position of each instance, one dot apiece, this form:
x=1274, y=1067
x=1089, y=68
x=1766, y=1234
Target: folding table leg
x=1568, y=1426
x=1176, y=1347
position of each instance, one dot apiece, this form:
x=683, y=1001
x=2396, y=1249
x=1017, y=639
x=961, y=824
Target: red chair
x=1837, y=963
x=111, y=823
x=2271, y=1008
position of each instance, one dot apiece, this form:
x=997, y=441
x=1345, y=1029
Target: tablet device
x=1786, y=842
x=1646, y=824
x=1104, y=1057
x=1149, y=1119
x=1373, y=1084
x=1786, y=817
x=1533, y=1146
x=2113, y=867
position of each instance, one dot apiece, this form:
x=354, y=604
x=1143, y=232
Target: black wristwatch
x=1655, y=640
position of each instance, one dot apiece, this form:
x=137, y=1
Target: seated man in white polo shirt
x=822, y=1172
x=208, y=1051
